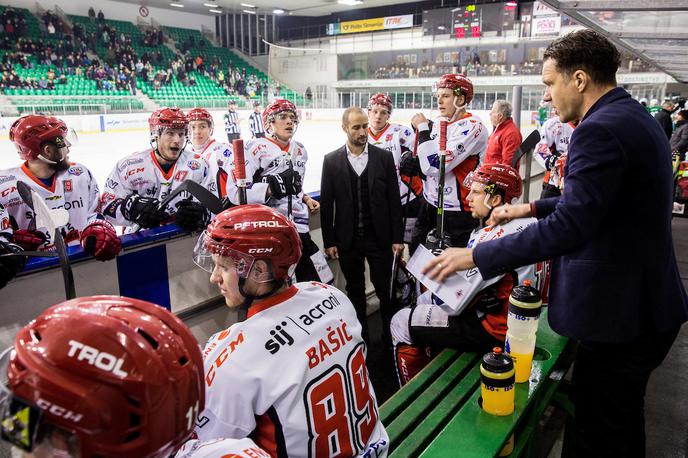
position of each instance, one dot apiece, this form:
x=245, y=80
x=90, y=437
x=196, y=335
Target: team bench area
x=437, y=413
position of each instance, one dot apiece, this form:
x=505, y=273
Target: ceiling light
x=249, y=11
x=511, y=3
x=350, y=2
x=248, y=5
x=211, y=5
x=216, y=11
x=441, y=27
x=177, y=5
x=278, y=11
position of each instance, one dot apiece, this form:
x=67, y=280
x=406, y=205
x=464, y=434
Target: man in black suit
x=361, y=216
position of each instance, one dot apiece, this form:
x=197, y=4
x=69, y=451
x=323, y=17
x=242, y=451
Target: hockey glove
x=409, y=165
x=551, y=161
x=10, y=265
x=143, y=211
x=191, y=215
x=29, y=240
x=435, y=244
x=487, y=303
x=287, y=183
x=100, y=240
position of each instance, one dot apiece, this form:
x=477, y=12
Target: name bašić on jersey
x=293, y=377
x=73, y=189
x=141, y=173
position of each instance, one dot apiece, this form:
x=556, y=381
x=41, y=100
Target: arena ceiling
x=297, y=7
x=654, y=30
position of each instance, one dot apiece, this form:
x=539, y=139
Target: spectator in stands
x=92, y=14
x=43, y=83
x=101, y=16
x=506, y=136
x=663, y=117
x=679, y=139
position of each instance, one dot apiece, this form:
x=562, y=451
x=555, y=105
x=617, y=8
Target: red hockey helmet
x=460, y=84
x=498, y=177
x=248, y=233
x=30, y=132
x=200, y=114
x=167, y=118
x=382, y=100
x=276, y=107
x=116, y=376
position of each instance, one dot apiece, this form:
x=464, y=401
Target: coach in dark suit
x=615, y=285
x=360, y=213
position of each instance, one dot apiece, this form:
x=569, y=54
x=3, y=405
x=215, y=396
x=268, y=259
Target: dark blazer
x=614, y=273
x=336, y=199
x=663, y=117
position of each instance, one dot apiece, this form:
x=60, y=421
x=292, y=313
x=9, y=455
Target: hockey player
x=10, y=266
x=138, y=182
x=396, y=139
x=276, y=166
x=554, y=143
x=216, y=154
x=106, y=376
x=293, y=375
x=42, y=144
x=482, y=324
x=466, y=146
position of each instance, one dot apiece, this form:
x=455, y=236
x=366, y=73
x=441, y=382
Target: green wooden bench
x=437, y=413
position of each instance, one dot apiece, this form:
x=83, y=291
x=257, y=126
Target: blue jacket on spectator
x=614, y=272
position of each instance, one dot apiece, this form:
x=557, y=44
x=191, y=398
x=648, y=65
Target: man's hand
x=418, y=119
x=409, y=165
x=505, y=213
x=449, y=262
x=332, y=252
x=312, y=204
x=143, y=211
x=398, y=249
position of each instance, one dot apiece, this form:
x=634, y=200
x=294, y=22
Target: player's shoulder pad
x=8, y=175
x=517, y=225
x=299, y=144
x=134, y=159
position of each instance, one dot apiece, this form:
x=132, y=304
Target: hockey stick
x=440, y=187
x=183, y=186
x=53, y=220
x=291, y=175
x=240, y=169
x=528, y=145
x=31, y=254
x=205, y=197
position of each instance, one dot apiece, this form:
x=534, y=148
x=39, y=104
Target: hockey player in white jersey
x=554, y=143
x=217, y=154
x=10, y=266
x=293, y=375
x=466, y=146
x=43, y=146
x=396, y=139
x=478, y=321
x=275, y=168
x=138, y=183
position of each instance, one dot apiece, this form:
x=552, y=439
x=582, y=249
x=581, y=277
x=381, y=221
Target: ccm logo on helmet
x=260, y=250
x=58, y=411
x=256, y=224
x=100, y=359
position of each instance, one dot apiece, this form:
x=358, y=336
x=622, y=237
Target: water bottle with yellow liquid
x=525, y=304
x=497, y=383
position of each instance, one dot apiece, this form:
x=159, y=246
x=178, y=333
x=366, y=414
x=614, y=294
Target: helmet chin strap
x=48, y=161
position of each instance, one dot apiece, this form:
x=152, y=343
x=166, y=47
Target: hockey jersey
x=265, y=157
x=141, y=173
x=396, y=139
x=293, y=378
x=73, y=189
x=221, y=448
x=555, y=137
x=466, y=147
x=5, y=226
x=494, y=323
x=217, y=155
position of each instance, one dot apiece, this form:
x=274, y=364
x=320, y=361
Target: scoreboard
x=472, y=21
x=466, y=21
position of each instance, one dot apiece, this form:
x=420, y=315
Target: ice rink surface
x=100, y=151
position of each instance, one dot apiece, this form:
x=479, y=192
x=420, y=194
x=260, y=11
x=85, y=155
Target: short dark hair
x=683, y=114
x=585, y=50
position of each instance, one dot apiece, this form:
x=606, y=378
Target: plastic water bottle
x=497, y=383
x=525, y=304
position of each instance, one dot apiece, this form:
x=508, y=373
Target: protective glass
x=208, y=249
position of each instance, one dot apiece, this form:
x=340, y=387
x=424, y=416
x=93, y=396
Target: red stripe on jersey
x=284, y=148
x=272, y=300
x=269, y=435
x=466, y=115
x=29, y=174
x=377, y=137
x=212, y=140
x=222, y=183
x=167, y=175
x=461, y=171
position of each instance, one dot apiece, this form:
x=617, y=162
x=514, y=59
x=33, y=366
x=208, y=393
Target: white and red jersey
x=466, y=147
x=73, y=189
x=264, y=156
x=142, y=174
x=475, y=285
x=554, y=139
x=396, y=139
x=293, y=378
x=5, y=225
x=218, y=156
x=221, y=448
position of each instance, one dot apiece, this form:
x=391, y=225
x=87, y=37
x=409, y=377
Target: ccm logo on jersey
x=256, y=224
x=100, y=359
x=133, y=172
